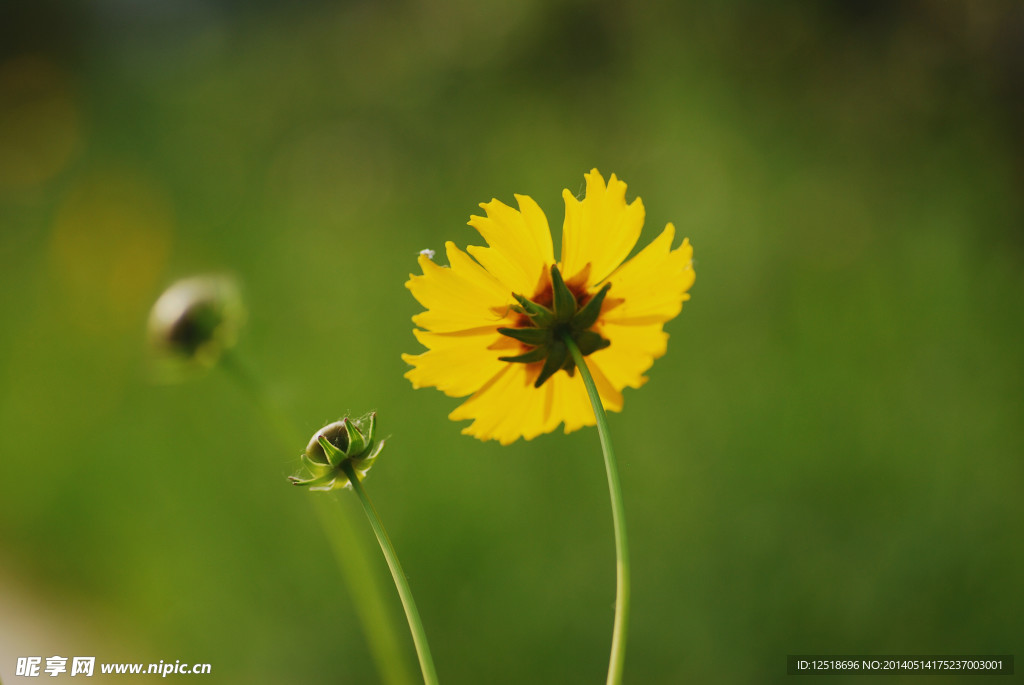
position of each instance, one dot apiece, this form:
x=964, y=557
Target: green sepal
x=334, y=455
x=363, y=459
x=333, y=484
x=542, y=316
x=564, y=302
x=363, y=456
x=587, y=316
x=590, y=342
x=374, y=451
x=557, y=354
x=313, y=466
x=371, y=429
x=363, y=465
x=534, y=355
x=356, y=439
x=530, y=336
x=313, y=482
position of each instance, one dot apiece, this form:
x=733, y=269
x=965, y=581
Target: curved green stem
x=348, y=548
x=419, y=636
x=621, y=625
x=365, y=590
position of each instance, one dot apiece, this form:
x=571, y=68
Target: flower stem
x=621, y=627
x=419, y=636
x=349, y=550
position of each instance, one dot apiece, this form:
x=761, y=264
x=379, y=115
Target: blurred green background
x=828, y=459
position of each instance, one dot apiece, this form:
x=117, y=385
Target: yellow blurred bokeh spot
x=110, y=241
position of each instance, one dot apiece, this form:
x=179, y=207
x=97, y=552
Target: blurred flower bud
x=196, y=319
x=343, y=443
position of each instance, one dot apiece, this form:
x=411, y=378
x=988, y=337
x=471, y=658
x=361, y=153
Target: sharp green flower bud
x=347, y=440
x=196, y=319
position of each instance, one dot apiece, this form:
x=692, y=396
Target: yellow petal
x=651, y=287
x=458, y=297
x=456, y=364
x=467, y=302
x=632, y=351
x=491, y=406
x=507, y=407
x=570, y=396
x=600, y=230
x=519, y=243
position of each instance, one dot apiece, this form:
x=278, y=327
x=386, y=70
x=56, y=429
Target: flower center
x=556, y=315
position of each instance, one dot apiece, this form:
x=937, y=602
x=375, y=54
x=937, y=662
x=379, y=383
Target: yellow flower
x=494, y=321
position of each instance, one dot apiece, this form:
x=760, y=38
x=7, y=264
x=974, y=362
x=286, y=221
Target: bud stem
x=419, y=635
x=349, y=550
x=620, y=629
